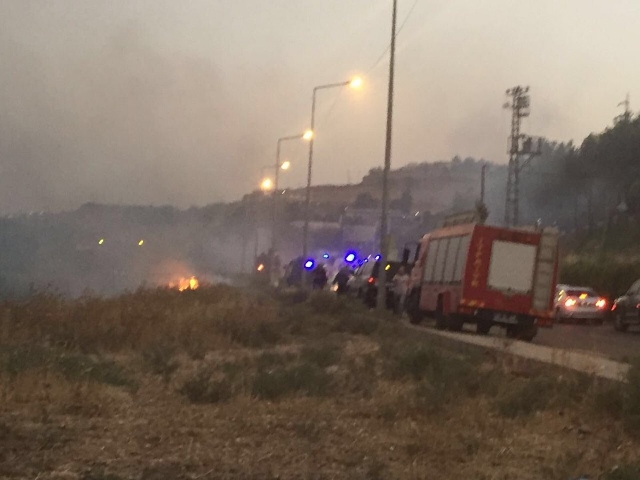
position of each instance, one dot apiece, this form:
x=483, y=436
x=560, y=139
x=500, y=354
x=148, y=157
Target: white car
x=579, y=304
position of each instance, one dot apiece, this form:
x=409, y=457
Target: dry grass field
x=223, y=383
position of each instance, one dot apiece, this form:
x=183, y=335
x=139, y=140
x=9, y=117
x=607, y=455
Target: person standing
x=319, y=277
x=341, y=279
x=400, y=285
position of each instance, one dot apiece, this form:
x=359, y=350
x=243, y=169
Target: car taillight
x=570, y=302
x=372, y=280
x=601, y=303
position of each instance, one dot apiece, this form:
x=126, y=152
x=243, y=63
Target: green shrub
x=623, y=472
x=83, y=367
x=306, y=378
x=526, y=396
x=271, y=359
x=621, y=401
x=204, y=387
x=160, y=360
x=249, y=333
x=356, y=324
x=322, y=355
x=15, y=360
x=414, y=361
x=77, y=367
x=609, y=400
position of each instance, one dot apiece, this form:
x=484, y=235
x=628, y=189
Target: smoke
x=124, y=123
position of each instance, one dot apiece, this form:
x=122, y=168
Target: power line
x=404, y=22
x=326, y=116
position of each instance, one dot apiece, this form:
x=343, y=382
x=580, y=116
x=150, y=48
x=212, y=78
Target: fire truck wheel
x=455, y=323
x=528, y=334
x=483, y=327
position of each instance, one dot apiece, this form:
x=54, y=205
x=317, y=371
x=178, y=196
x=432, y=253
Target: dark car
x=626, y=309
x=364, y=283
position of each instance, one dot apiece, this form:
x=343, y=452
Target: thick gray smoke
x=126, y=125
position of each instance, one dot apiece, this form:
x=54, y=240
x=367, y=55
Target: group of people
x=400, y=283
x=320, y=277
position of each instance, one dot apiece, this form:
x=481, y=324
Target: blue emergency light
x=377, y=257
x=325, y=256
x=350, y=257
x=309, y=264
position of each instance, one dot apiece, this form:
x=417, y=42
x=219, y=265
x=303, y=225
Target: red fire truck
x=473, y=273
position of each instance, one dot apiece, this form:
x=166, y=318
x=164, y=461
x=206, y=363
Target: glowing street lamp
x=354, y=83
x=286, y=165
x=266, y=185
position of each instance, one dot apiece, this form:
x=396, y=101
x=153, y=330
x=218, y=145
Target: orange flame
x=183, y=284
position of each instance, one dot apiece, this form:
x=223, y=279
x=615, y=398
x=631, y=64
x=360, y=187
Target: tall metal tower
x=519, y=144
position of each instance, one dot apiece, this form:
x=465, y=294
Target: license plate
x=504, y=318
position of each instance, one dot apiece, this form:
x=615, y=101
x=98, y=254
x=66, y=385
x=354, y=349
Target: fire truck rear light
x=601, y=303
x=570, y=302
x=371, y=280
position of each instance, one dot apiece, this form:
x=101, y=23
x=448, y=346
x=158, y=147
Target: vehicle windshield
x=577, y=293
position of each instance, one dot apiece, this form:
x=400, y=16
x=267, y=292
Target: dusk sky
x=182, y=102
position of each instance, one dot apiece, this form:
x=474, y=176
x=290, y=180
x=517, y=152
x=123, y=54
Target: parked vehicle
x=626, y=309
x=364, y=283
x=485, y=275
x=579, y=304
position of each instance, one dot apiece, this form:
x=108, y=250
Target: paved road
x=599, y=340
x=603, y=340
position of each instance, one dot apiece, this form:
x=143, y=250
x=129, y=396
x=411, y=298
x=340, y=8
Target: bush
x=82, y=367
x=622, y=401
x=607, y=274
x=203, y=387
x=356, y=325
x=78, y=367
x=160, y=360
x=414, y=361
x=209, y=316
x=526, y=396
x=623, y=472
x=306, y=378
x=322, y=356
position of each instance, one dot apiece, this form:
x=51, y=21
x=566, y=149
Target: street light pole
x=384, y=237
x=356, y=82
x=278, y=166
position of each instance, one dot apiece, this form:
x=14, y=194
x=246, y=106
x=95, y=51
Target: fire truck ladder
x=544, y=271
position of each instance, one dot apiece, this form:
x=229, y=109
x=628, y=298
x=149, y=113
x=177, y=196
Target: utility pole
x=519, y=144
x=384, y=236
x=482, y=182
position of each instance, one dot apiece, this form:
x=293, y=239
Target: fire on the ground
x=184, y=283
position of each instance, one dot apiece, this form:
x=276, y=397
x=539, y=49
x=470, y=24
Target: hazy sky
x=181, y=102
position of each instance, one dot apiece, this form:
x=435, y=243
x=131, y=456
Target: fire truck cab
x=473, y=273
